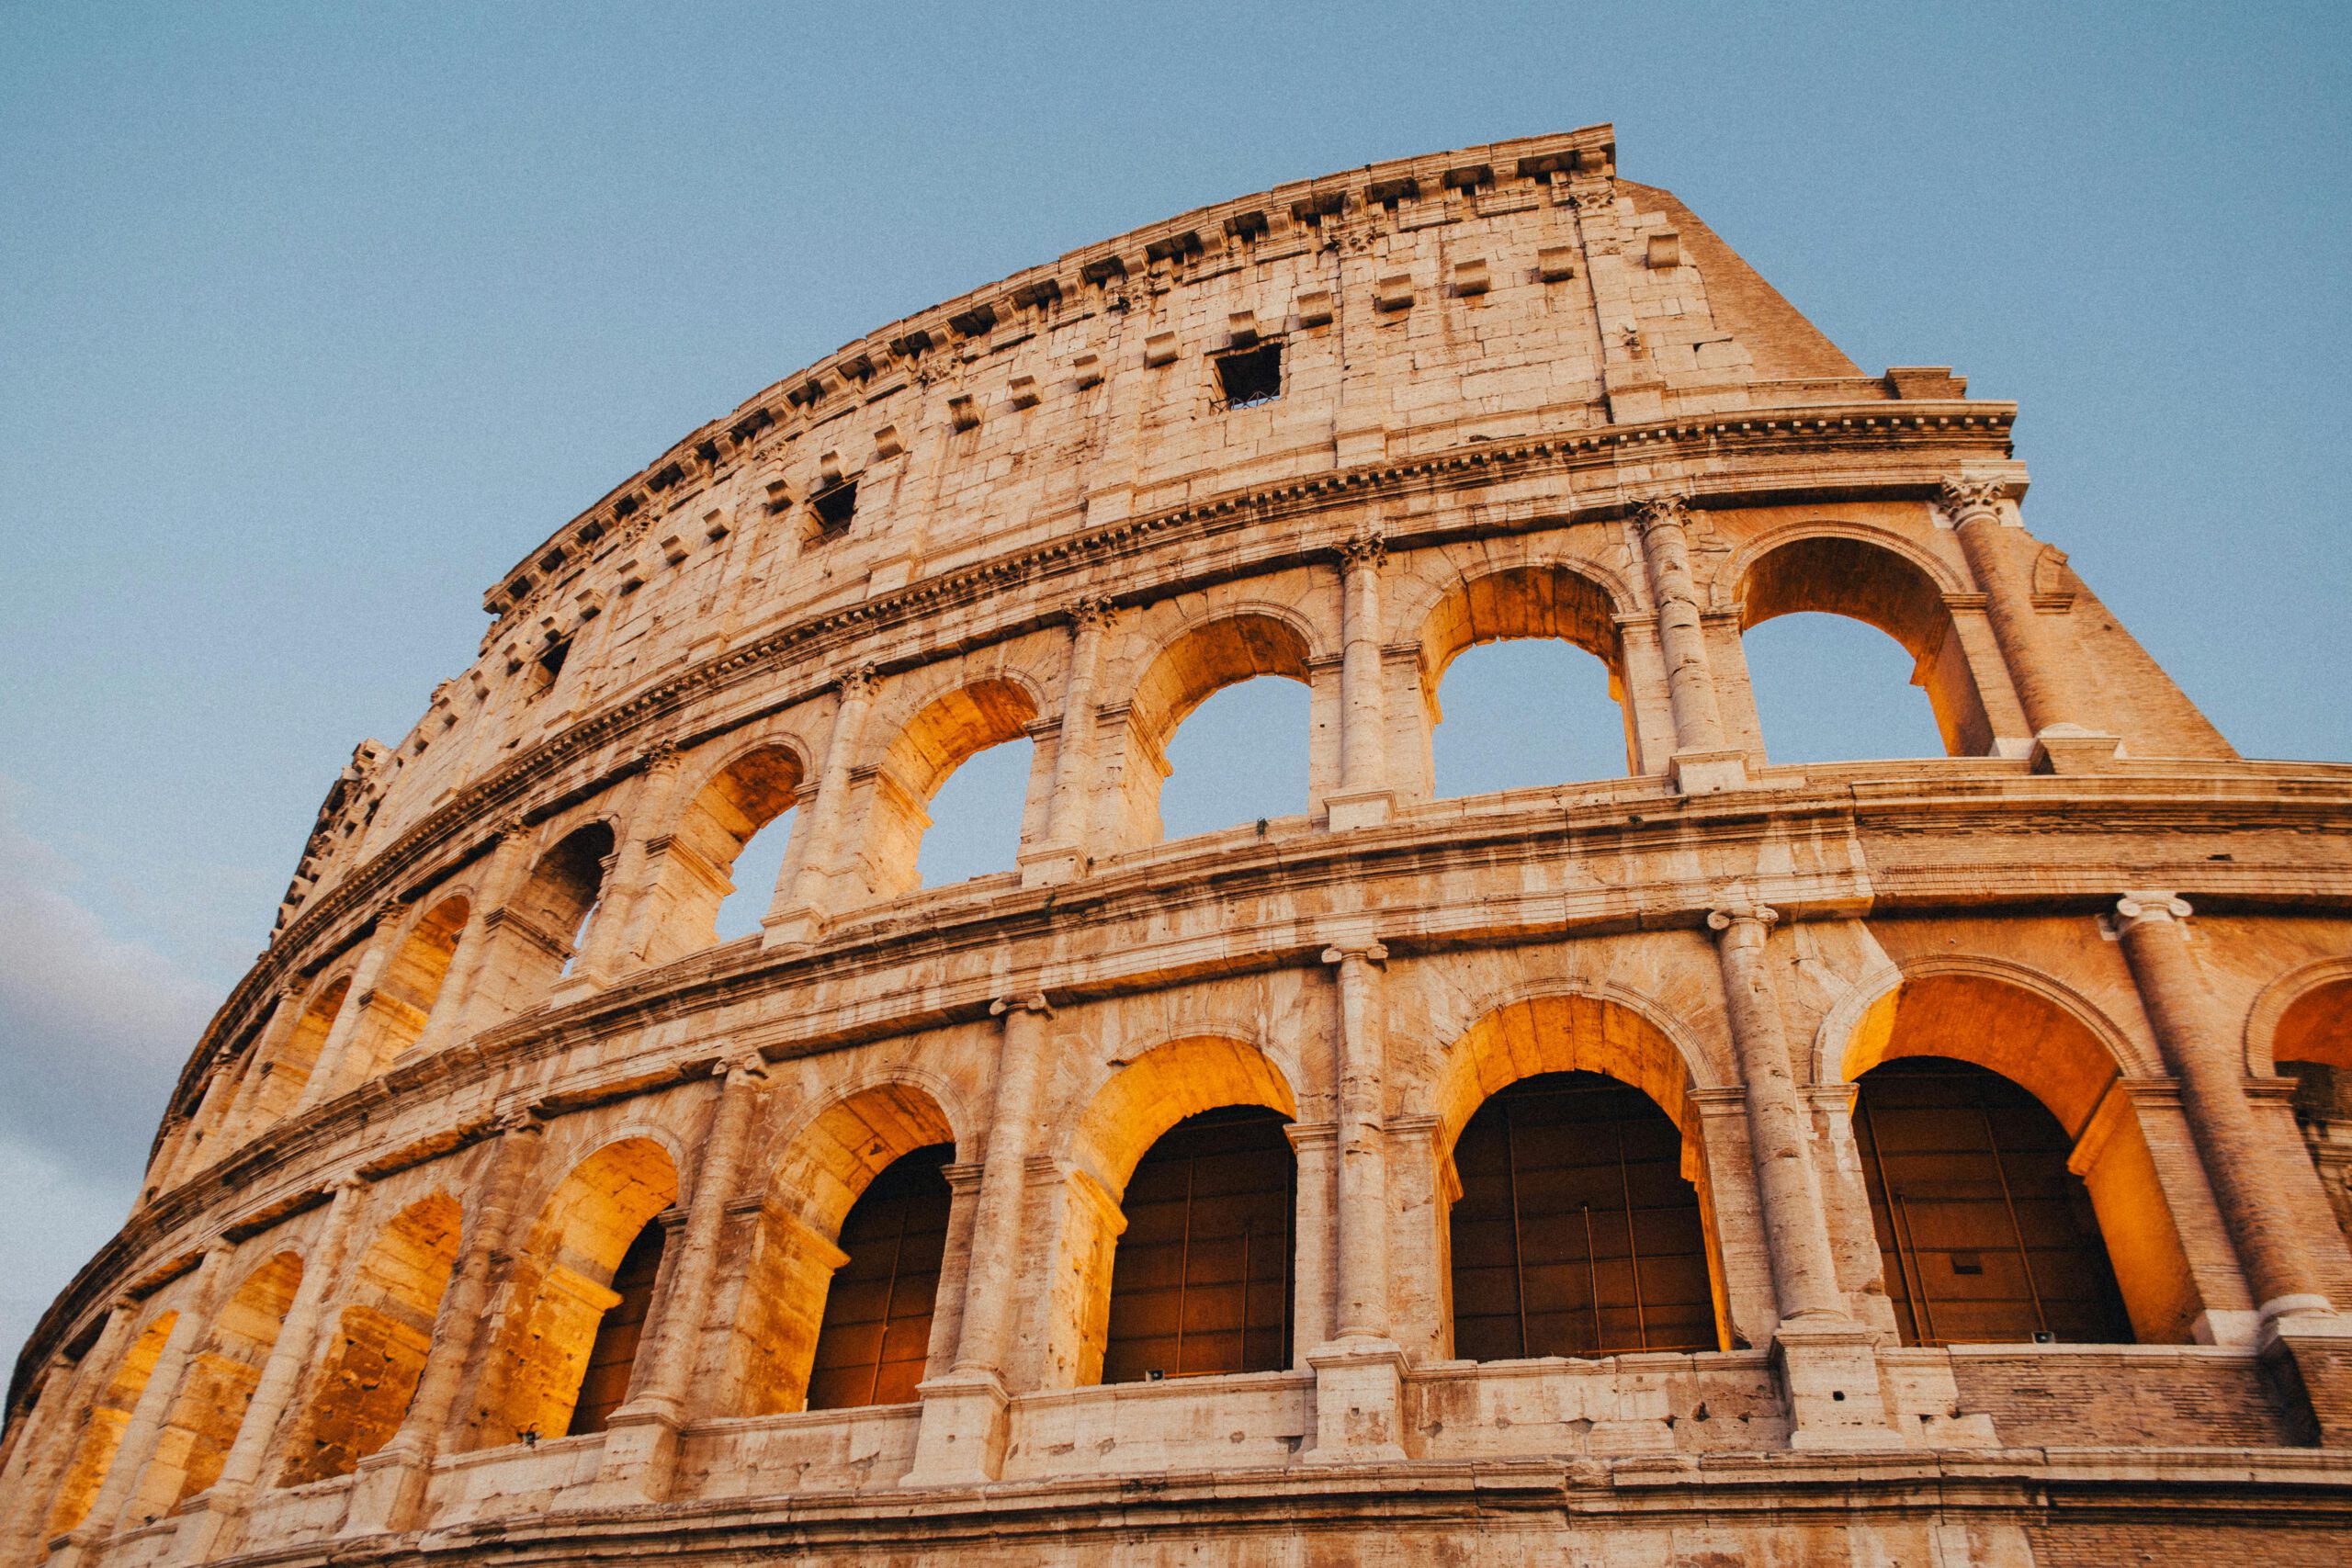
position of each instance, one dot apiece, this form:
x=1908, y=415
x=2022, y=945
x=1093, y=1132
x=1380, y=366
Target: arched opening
x=1815, y=691
x=1539, y=699
x=564, y=1286
x=1985, y=1236
x=377, y=1356
x=874, y=1340
x=1255, y=762
x=409, y=985
x=1200, y=1279
x=102, y=1439
x=2025, y=1043
x=287, y=1070
x=1831, y=690
x=2313, y=1046
x=1577, y=1233
x=1582, y=1219
x=718, y=872
x=217, y=1387
x=1241, y=1101
x=803, y=1240
x=612, y=1355
x=948, y=733
x=532, y=942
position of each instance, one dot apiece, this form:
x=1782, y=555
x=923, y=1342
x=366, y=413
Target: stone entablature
x=496, y=1049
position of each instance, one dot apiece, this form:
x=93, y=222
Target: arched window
x=408, y=987
x=1201, y=1281
x=1826, y=692
x=1575, y=1233
x=977, y=815
x=1254, y=758
x=93, y=1455
x=877, y=1332
x=1530, y=666
x=731, y=836
x=1985, y=1235
x=948, y=733
x=2313, y=1046
x=376, y=1357
x=612, y=1355
x=536, y=935
x=286, y=1072
x=566, y=1281
x=216, y=1389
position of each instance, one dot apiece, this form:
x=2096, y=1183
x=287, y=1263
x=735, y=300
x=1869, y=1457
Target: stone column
x=209, y=1530
x=962, y=1438
x=805, y=906
x=1315, y=1270
x=41, y=1470
x=509, y=864
x=618, y=940
x=389, y=1493
x=154, y=1408
x=640, y=1455
x=1067, y=840
x=334, y=1071
x=2305, y=1346
x=1827, y=1366
x=1359, y=1375
x=2053, y=707
x=1703, y=761
x=1364, y=796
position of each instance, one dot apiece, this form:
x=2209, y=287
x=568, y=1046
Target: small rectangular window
x=835, y=507
x=1251, y=376
x=550, y=662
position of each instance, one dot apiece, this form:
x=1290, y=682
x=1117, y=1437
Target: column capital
x=1967, y=499
x=1370, y=949
x=1030, y=1002
x=2146, y=906
x=663, y=756
x=1365, y=548
x=1737, y=912
x=739, y=1067
x=857, y=682
x=520, y=1120
x=1092, y=610
x=1661, y=511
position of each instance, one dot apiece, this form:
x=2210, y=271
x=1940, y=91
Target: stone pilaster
x=1703, y=761
x=801, y=912
x=1069, y=840
x=1365, y=796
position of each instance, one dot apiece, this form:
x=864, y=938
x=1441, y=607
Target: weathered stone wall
x=1519, y=397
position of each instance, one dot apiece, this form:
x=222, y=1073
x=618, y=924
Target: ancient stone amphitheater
x=1925, y=1162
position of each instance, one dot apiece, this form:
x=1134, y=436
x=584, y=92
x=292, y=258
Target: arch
x=409, y=985
x=946, y=732
x=1142, y=1101
x=1523, y=602
x=2305, y=1015
x=101, y=1439
x=875, y=1345
x=2036, y=1035
x=376, y=1357
x=217, y=1387
x=530, y=941
x=1871, y=577
x=825, y=1168
x=563, y=1287
x=285, y=1073
x=1587, y=1032
x=738, y=799
x=1985, y=1235
x=1239, y=645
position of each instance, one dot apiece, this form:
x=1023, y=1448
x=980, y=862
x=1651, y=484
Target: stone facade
x=495, y=1059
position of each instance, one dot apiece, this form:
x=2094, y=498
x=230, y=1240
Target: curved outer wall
x=1519, y=396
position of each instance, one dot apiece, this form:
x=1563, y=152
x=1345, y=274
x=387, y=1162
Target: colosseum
x=1967, y=1138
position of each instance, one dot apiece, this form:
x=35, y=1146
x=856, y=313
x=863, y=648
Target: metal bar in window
x=2016, y=1232
x=1633, y=1248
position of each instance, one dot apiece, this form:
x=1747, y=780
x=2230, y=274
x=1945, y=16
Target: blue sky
x=313, y=319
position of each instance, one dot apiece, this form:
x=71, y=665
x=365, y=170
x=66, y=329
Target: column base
x=387, y=1492
x=966, y=1419
x=1361, y=808
x=640, y=1458
x=1359, y=1401
x=578, y=985
x=1707, y=772
x=1828, y=1373
x=796, y=927
x=1049, y=865
x=208, y=1525
x=2307, y=1357
x=2069, y=749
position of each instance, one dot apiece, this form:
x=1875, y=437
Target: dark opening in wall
x=1251, y=375
x=835, y=507
x=550, y=662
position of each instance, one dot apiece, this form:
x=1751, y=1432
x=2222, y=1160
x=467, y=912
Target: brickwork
x=1497, y=393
